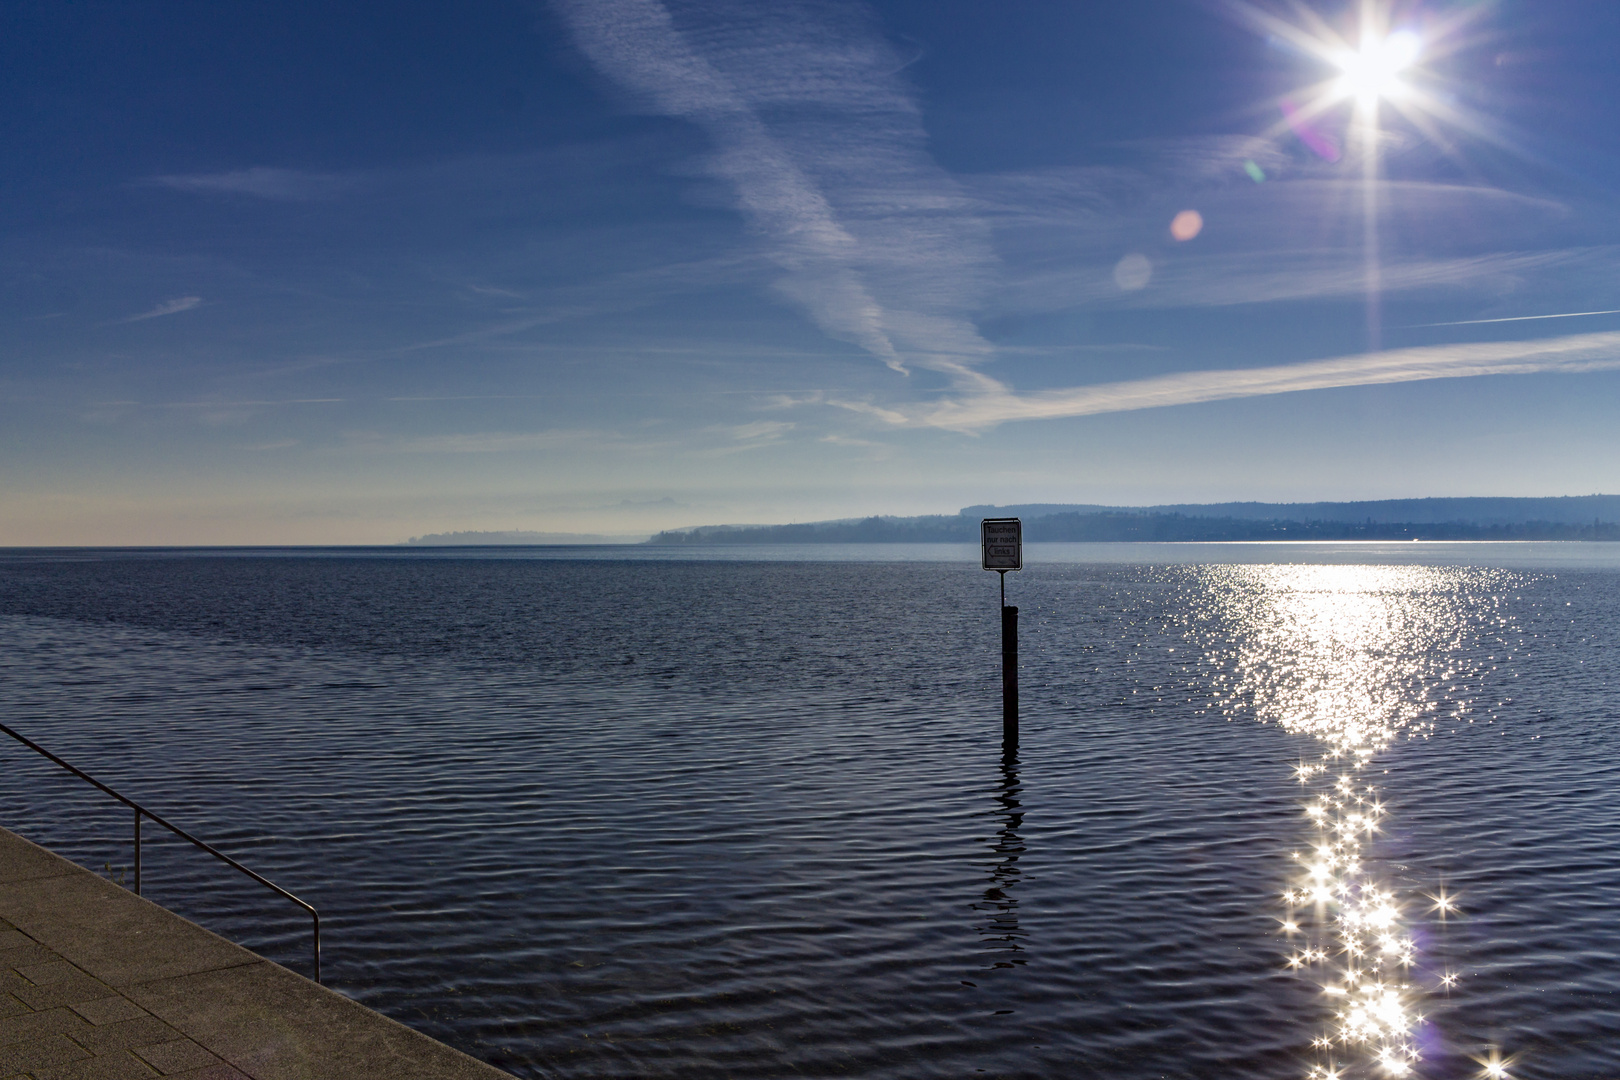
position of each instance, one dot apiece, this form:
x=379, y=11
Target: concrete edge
x=260, y=1017
x=47, y=863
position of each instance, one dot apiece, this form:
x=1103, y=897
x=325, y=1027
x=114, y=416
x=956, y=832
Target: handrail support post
x=137, y=851
x=181, y=833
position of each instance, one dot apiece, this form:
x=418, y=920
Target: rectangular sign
x=1003, y=540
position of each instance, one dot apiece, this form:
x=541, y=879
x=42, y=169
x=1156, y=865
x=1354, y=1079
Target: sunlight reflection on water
x=1354, y=659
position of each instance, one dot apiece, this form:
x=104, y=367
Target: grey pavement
x=99, y=984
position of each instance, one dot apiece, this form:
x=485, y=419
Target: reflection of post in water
x=1000, y=928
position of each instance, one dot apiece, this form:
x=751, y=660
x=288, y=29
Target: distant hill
x=1588, y=517
x=489, y=539
x=934, y=528
x=1563, y=510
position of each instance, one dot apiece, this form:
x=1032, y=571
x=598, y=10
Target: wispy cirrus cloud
x=1568, y=355
x=1228, y=280
x=823, y=147
x=598, y=440
x=168, y=307
x=761, y=430
x=1292, y=238
x=499, y=442
x=615, y=293
x=261, y=182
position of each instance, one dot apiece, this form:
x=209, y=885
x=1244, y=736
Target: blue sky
x=341, y=272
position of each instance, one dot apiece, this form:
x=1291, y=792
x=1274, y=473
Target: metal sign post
x=1003, y=543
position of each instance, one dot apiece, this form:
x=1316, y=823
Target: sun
x=1378, y=57
x=1373, y=72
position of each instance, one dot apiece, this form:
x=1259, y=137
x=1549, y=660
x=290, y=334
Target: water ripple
x=608, y=819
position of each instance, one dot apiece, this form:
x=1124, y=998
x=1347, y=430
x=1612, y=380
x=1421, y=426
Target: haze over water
x=1277, y=811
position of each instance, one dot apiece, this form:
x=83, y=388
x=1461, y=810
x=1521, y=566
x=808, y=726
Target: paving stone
x=112, y=933
x=125, y=1035
x=22, y=861
x=109, y=1010
x=275, y=1025
x=221, y=1071
x=10, y=1006
x=36, y=1054
x=178, y=1056
x=11, y=938
x=26, y=956
x=34, y=1025
x=67, y=987
x=52, y=971
x=119, y=1066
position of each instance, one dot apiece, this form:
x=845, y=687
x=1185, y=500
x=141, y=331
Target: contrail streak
x=1514, y=318
x=825, y=152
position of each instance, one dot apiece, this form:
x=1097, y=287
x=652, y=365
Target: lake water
x=1277, y=810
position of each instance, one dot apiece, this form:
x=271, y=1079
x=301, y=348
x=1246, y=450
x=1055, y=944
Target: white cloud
x=1271, y=277
x=1573, y=354
x=824, y=149
x=501, y=442
x=258, y=403
x=619, y=292
x=168, y=307
x=1062, y=232
x=277, y=185
x=761, y=429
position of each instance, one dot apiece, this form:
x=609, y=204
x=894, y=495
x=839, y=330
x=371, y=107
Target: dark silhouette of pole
x=1009, y=670
x=1002, y=540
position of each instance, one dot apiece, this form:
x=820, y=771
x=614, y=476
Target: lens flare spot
x=1299, y=121
x=1133, y=272
x=1186, y=225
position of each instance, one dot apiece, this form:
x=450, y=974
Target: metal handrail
x=141, y=810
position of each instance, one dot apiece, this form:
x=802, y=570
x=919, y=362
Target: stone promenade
x=99, y=984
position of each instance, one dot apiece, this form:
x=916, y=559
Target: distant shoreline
x=1139, y=529
x=1579, y=517
x=1588, y=517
